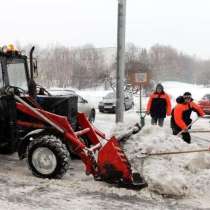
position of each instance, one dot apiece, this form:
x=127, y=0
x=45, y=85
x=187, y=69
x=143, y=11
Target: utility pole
x=120, y=60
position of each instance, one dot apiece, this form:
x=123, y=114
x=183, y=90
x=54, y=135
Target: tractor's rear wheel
x=48, y=157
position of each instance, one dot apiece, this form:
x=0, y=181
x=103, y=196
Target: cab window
x=17, y=74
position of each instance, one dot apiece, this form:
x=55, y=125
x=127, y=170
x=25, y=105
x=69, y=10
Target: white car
x=108, y=104
x=83, y=105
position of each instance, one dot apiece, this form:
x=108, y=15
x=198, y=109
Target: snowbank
x=176, y=176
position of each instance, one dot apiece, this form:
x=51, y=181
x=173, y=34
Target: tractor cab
x=13, y=69
x=15, y=74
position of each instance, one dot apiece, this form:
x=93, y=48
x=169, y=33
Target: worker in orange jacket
x=180, y=117
x=159, y=105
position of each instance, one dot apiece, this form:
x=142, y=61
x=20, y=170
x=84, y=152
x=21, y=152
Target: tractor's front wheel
x=48, y=157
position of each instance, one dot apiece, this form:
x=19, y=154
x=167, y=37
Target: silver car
x=83, y=105
x=108, y=104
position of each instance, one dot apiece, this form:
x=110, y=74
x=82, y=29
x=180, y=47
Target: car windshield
x=17, y=74
x=110, y=96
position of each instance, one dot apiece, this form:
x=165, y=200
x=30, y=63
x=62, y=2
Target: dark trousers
x=159, y=121
x=185, y=136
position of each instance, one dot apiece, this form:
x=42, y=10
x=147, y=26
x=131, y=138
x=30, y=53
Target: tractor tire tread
x=62, y=155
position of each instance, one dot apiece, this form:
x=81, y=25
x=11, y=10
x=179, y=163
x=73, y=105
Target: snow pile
x=182, y=175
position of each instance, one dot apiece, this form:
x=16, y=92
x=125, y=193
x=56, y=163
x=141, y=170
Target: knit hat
x=180, y=100
x=187, y=94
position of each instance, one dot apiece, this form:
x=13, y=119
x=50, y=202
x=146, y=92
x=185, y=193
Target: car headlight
x=101, y=103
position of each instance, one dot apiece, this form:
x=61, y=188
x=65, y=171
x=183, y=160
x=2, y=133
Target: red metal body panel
x=30, y=125
x=112, y=163
x=58, y=120
x=84, y=123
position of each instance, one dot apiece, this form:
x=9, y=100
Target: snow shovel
x=142, y=120
x=175, y=152
x=194, y=121
x=199, y=131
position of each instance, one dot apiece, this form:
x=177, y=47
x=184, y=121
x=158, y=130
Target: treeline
x=88, y=66
x=166, y=63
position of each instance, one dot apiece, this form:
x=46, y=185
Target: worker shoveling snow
x=183, y=176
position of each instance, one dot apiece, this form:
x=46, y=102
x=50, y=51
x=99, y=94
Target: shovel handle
x=188, y=126
x=177, y=152
x=199, y=131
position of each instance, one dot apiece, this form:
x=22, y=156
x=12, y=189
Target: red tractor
x=45, y=138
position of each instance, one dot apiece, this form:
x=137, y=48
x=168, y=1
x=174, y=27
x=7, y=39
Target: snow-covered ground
x=175, y=181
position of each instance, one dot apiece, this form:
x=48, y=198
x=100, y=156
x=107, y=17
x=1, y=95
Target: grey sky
x=183, y=24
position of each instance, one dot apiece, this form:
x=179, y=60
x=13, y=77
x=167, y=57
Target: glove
x=185, y=130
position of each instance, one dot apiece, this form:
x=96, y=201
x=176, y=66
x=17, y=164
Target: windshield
x=17, y=74
x=110, y=96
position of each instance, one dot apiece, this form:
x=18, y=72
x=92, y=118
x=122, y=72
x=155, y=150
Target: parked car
x=205, y=104
x=108, y=103
x=83, y=105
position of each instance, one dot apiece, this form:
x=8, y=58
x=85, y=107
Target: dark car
x=205, y=104
x=108, y=104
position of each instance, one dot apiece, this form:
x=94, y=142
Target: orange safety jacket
x=159, y=105
x=182, y=112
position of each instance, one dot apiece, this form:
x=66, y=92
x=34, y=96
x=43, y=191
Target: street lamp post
x=120, y=60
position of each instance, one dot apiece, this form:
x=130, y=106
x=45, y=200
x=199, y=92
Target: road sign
x=140, y=77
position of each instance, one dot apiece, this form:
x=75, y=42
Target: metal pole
x=142, y=118
x=140, y=106
x=120, y=60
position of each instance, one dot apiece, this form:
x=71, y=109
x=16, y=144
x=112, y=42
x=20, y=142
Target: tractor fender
x=24, y=142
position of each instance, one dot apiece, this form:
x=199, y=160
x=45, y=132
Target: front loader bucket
x=114, y=167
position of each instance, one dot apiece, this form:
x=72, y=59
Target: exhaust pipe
x=31, y=62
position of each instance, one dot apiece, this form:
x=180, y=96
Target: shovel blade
x=137, y=183
x=114, y=167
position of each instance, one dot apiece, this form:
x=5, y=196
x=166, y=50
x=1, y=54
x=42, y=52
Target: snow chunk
x=198, y=162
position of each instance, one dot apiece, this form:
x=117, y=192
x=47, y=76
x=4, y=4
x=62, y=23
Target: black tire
x=6, y=149
x=92, y=116
x=59, y=151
